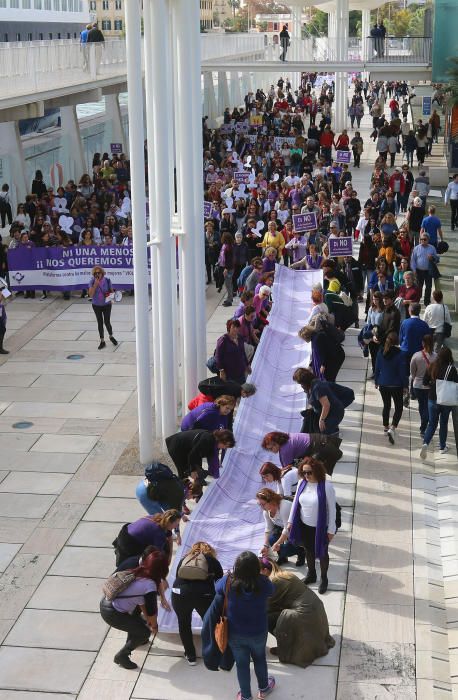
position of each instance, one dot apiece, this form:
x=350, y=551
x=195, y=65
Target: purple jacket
x=231, y=358
x=206, y=417
x=297, y=446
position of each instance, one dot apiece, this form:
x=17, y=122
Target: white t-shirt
x=308, y=502
x=291, y=180
x=280, y=518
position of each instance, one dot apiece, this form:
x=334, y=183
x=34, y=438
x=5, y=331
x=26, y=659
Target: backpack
x=155, y=473
x=117, y=583
x=194, y=567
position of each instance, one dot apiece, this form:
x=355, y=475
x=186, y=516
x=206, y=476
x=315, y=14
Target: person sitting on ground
x=296, y=617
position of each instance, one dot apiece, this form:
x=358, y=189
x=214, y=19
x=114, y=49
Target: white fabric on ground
x=227, y=516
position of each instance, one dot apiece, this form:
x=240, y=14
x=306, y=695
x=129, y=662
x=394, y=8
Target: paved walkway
x=64, y=493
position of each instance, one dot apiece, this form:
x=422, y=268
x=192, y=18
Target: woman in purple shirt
x=123, y=612
x=212, y=415
x=99, y=288
x=288, y=446
x=230, y=354
x=150, y=530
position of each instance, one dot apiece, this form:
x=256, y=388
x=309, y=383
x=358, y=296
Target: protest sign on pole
x=116, y=148
x=340, y=246
x=208, y=206
x=343, y=156
x=304, y=222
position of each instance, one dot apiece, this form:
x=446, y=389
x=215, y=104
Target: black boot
x=300, y=561
x=2, y=349
x=123, y=660
x=311, y=573
x=324, y=566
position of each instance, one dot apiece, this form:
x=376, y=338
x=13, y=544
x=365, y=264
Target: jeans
x=287, y=549
x=151, y=507
x=387, y=393
x=184, y=606
x=244, y=649
x=103, y=314
x=454, y=208
x=437, y=414
x=409, y=158
x=422, y=396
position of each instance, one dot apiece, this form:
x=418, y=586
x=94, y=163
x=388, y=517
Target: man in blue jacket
x=411, y=333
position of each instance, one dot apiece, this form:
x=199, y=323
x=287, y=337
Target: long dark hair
x=245, y=577
x=443, y=360
x=390, y=342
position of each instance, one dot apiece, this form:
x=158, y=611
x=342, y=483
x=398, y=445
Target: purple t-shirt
x=103, y=288
x=134, y=595
x=296, y=446
x=147, y=532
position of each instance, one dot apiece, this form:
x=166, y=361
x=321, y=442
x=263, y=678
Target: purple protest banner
x=241, y=177
x=208, y=206
x=115, y=148
x=343, y=156
x=340, y=246
x=70, y=268
x=304, y=222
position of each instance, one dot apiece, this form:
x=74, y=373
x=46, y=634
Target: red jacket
x=397, y=176
x=327, y=139
x=199, y=400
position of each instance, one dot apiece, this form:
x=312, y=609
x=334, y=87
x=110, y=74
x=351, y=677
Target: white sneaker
x=444, y=450
x=390, y=434
x=423, y=451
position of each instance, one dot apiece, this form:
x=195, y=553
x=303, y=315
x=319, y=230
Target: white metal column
x=210, y=108
x=365, y=33
x=296, y=41
x=74, y=160
x=236, y=97
x=159, y=110
x=223, y=91
x=11, y=150
x=113, y=112
x=342, y=21
x=137, y=177
x=186, y=152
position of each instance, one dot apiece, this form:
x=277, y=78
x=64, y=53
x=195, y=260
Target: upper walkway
x=32, y=72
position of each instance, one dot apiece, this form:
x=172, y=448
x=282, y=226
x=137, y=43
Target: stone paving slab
x=88, y=562
x=41, y=461
x=93, y=534
x=7, y=554
x=65, y=443
x=68, y=593
x=34, y=482
x=46, y=670
x=114, y=509
x=25, y=504
x=58, y=629
x=81, y=381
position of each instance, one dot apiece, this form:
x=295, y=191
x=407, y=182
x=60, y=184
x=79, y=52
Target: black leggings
x=387, y=393
x=137, y=630
x=103, y=314
x=184, y=606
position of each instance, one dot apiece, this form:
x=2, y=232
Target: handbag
x=447, y=392
x=447, y=330
x=222, y=626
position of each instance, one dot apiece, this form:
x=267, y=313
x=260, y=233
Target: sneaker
x=390, y=434
x=113, y=340
x=102, y=345
x=240, y=696
x=190, y=659
x=385, y=430
x=227, y=303
x=43, y=297
x=270, y=687
x=423, y=451
x=444, y=450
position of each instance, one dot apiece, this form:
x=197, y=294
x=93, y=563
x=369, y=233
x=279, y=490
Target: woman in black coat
x=187, y=450
x=328, y=354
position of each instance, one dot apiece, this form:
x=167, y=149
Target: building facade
x=109, y=15
x=206, y=15
x=221, y=11
x=42, y=20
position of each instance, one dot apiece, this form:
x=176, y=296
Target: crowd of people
x=258, y=174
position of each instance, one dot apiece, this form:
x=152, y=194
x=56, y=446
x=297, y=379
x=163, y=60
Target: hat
x=264, y=290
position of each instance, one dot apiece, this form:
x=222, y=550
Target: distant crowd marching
x=278, y=190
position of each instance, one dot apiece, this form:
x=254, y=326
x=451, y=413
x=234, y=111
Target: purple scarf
x=316, y=361
x=321, y=534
